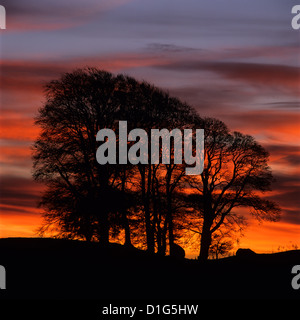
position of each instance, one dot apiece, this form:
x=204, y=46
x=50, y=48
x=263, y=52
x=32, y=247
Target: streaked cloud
x=236, y=61
x=55, y=14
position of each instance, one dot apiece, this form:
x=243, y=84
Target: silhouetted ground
x=52, y=268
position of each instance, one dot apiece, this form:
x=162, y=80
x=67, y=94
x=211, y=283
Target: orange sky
x=242, y=69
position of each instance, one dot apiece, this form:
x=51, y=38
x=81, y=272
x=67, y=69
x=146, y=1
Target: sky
x=236, y=60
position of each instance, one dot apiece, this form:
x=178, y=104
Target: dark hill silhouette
x=56, y=268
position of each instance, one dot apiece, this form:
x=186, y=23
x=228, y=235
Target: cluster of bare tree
x=151, y=205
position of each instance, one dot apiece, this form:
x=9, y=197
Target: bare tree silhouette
x=81, y=193
x=87, y=200
x=149, y=202
x=235, y=175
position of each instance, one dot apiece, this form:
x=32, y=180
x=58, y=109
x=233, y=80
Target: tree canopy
x=150, y=204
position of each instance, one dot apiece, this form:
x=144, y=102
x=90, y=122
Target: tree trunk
x=171, y=234
x=207, y=220
x=127, y=231
x=88, y=237
x=103, y=230
x=102, y=208
x=169, y=215
x=124, y=215
x=145, y=198
x=150, y=239
x=164, y=242
x=205, y=240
